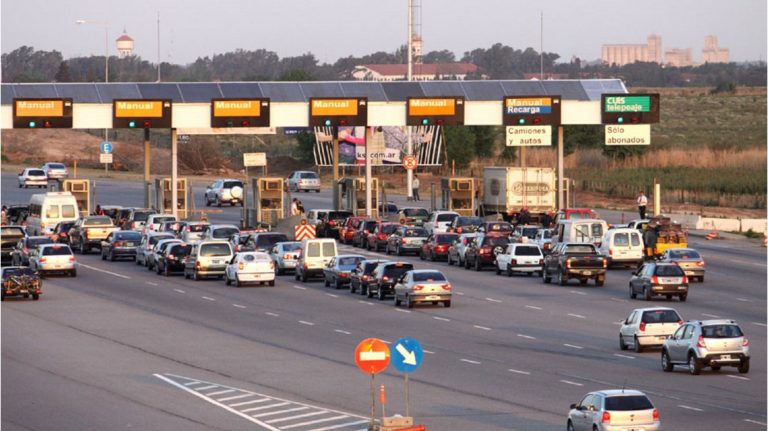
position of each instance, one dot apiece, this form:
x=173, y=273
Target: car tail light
x=447, y=287
x=598, y=244
x=331, y=223
x=221, y=191
x=385, y=278
x=344, y=274
x=656, y=416
x=42, y=225
x=605, y=263
x=485, y=250
x=568, y=263
x=547, y=245
x=238, y=247
x=610, y=252
x=513, y=262
x=198, y=265
x=382, y=236
x=685, y=279
x=402, y=241
x=680, y=322
x=418, y=287
x=43, y=259
x=701, y=342
x=606, y=417
x=655, y=280
x=133, y=225
x=71, y=258
x=287, y=257
x=85, y=234
x=541, y=261
x=642, y=326
x=62, y=234
x=458, y=230
x=149, y=246
x=26, y=250
x=171, y=257
x=745, y=342
x=700, y=263
x=272, y=265
x=306, y=266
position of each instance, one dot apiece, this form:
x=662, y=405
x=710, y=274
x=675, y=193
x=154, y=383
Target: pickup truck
x=575, y=260
x=10, y=236
x=89, y=232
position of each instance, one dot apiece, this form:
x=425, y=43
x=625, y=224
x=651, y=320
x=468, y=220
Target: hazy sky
x=331, y=29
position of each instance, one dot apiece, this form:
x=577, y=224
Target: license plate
x=680, y=287
x=57, y=266
x=689, y=272
x=725, y=357
x=130, y=244
x=23, y=291
x=587, y=272
x=433, y=298
x=216, y=262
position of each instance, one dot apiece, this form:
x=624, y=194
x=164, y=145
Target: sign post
x=407, y=357
x=372, y=356
x=106, y=148
x=529, y=121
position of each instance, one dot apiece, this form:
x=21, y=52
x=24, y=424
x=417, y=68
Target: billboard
x=388, y=145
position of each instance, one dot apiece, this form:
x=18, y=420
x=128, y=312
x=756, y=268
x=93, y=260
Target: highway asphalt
x=119, y=347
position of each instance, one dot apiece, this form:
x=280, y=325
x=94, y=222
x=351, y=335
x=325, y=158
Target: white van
x=622, y=246
x=579, y=230
x=48, y=209
x=315, y=255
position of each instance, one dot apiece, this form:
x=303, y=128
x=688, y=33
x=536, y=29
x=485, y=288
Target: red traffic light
x=147, y=124
x=245, y=123
x=537, y=120
x=47, y=124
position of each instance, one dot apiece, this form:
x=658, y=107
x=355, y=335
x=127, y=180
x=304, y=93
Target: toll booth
x=81, y=190
x=458, y=194
x=353, y=195
x=163, y=196
x=268, y=200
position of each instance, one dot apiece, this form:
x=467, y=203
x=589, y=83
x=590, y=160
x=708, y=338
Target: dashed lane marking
x=402, y=311
x=527, y=337
x=577, y=292
x=269, y=413
x=152, y=284
x=618, y=299
x=332, y=295
x=533, y=307
x=443, y=319
x=759, y=324
x=238, y=306
x=299, y=287
x=493, y=300
x=459, y=293
x=525, y=373
x=743, y=299
x=429, y=351
x=737, y=377
x=714, y=316
x=304, y=322
x=578, y=316
x=469, y=361
x=619, y=355
x=754, y=422
x=269, y=313
x=484, y=328
x=207, y=298
x=695, y=409
x=342, y=332
x=573, y=346
x=104, y=271
x=366, y=302
x=568, y=382
x=179, y=290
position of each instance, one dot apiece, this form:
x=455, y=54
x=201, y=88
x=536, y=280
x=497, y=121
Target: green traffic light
x=425, y=121
x=620, y=119
x=327, y=122
x=131, y=124
x=32, y=124
x=521, y=121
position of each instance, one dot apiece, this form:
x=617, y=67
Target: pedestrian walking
x=415, y=190
x=642, y=202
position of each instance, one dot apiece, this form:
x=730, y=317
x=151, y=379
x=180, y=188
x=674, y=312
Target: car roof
x=618, y=392
x=220, y=225
x=714, y=322
x=654, y=309
x=55, y=244
x=419, y=271
x=350, y=255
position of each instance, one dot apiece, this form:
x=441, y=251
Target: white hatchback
x=646, y=327
x=33, y=177
x=54, y=258
x=250, y=266
x=520, y=257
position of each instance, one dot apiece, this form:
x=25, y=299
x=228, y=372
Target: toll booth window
x=52, y=212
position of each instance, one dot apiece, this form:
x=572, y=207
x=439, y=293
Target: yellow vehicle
x=669, y=234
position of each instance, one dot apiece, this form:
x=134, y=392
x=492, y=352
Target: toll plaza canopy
x=483, y=100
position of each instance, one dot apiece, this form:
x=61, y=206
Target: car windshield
x=628, y=403
x=446, y=217
x=415, y=212
x=224, y=232
x=308, y=175
x=34, y=242
x=580, y=249
x=215, y=250
x=445, y=239
x=428, y=276
x=469, y=221
x=661, y=316
x=293, y=246
x=350, y=261
x=669, y=270
x=57, y=250
x=180, y=250
x=495, y=240
x=494, y=227
x=141, y=215
x=527, y=250
x=395, y=271
x=721, y=331
x=266, y=241
x=95, y=221
x=18, y=271
x=129, y=236
x=155, y=238
x=56, y=166
x=414, y=233
x=684, y=254
x=230, y=184
x=36, y=172
x=369, y=267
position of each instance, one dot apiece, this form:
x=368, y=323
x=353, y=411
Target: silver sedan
x=423, y=285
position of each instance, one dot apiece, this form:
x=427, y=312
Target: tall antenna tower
x=415, y=30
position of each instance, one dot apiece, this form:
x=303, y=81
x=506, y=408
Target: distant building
x=624, y=54
x=713, y=53
x=421, y=72
x=678, y=57
x=124, y=45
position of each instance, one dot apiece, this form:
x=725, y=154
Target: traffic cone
x=765, y=241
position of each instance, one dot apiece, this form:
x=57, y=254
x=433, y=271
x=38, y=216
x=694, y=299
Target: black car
x=25, y=246
x=171, y=260
x=465, y=224
x=17, y=214
x=331, y=223
x=484, y=251
x=339, y=269
x=360, y=237
x=119, y=244
x=264, y=241
x=21, y=281
x=361, y=275
x=61, y=231
x=382, y=282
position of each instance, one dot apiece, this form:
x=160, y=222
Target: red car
x=437, y=246
x=348, y=229
x=377, y=239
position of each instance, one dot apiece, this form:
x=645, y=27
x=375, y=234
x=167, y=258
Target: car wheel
x=195, y=276
x=683, y=297
x=317, y=191
x=227, y=281
x=744, y=366
x=447, y=304
x=647, y=293
x=73, y=273
x=380, y=294
x=694, y=366
x=666, y=363
x=397, y=300
x=35, y=296
x=632, y=293
x=638, y=348
x=545, y=277
x=701, y=279
x=509, y=271
x=337, y=284
x=368, y=293
x=622, y=345
x=271, y=283
x=478, y=267
x=399, y=252
x=111, y=257
x=352, y=287
x=715, y=367
x=450, y=261
x=408, y=302
x=570, y=426
x=599, y=282
x=560, y=279
x=303, y=277
x=326, y=282
x=498, y=270
x=103, y=257
x=165, y=271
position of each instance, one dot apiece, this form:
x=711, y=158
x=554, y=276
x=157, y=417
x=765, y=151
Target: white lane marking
x=332, y=295
x=245, y=403
x=619, y=355
x=512, y=370
x=578, y=316
x=342, y=426
x=366, y=302
x=736, y=377
x=441, y=318
x=459, y=293
x=577, y=292
x=238, y=306
x=304, y=322
x=269, y=406
x=235, y=397
x=714, y=316
x=207, y=298
x=299, y=287
x=492, y=300
x=402, y=311
x=279, y=412
x=759, y=324
x=342, y=332
x=155, y=284
x=618, y=299
x=747, y=262
x=484, y=328
x=191, y=383
x=179, y=290
x=386, y=342
x=573, y=346
x=683, y=406
x=533, y=307
x=620, y=322
x=568, y=382
x=104, y=271
x=754, y=422
x=469, y=361
x=527, y=337
x=429, y=351
x=225, y=391
x=316, y=422
x=271, y=314
x=206, y=387
x=743, y=299
x=290, y=418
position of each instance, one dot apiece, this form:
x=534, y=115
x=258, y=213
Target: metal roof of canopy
x=398, y=91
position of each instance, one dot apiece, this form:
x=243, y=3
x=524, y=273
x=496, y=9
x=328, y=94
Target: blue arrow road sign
x=407, y=355
x=106, y=147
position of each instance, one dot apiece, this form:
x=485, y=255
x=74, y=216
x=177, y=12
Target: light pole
x=106, y=64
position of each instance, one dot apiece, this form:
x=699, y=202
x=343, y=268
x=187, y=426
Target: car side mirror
x=574, y=406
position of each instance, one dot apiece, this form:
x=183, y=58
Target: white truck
x=507, y=190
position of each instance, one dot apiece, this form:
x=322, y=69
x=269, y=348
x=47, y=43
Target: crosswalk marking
x=269, y=413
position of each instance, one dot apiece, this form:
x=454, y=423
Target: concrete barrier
x=756, y=224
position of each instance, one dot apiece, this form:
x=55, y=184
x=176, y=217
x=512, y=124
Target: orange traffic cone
x=765, y=241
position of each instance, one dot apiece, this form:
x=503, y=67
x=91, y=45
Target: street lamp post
x=106, y=65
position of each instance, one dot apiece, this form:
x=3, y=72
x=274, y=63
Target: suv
x=303, y=181
x=330, y=224
x=484, y=251
x=647, y=327
x=208, y=258
x=55, y=171
x=706, y=343
x=224, y=191
x=382, y=281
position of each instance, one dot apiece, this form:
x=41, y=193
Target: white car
x=55, y=171
x=33, y=177
x=155, y=221
x=54, y=258
x=543, y=239
x=439, y=221
x=250, y=266
x=520, y=257
x=646, y=327
x=303, y=181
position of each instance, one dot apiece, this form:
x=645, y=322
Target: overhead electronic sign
x=240, y=113
x=335, y=112
x=42, y=113
x=425, y=111
x=141, y=114
x=532, y=111
x=629, y=108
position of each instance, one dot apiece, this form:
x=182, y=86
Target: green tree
x=485, y=138
x=63, y=75
x=296, y=75
x=460, y=142
x=305, y=150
